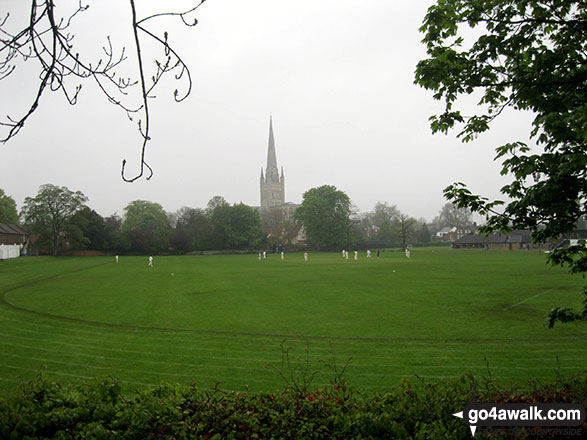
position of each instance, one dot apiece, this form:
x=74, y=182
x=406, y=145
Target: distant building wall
x=86, y=253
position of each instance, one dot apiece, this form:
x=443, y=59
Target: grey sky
x=336, y=75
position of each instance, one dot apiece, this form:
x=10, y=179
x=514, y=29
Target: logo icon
x=520, y=414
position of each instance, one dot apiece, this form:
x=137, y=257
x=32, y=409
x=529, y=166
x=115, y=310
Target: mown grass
x=205, y=319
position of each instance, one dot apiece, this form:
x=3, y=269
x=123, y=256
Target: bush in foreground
x=105, y=409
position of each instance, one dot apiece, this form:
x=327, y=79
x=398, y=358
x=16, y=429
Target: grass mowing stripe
x=141, y=353
x=379, y=350
x=390, y=347
x=316, y=383
x=142, y=360
x=52, y=323
x=199, y=350
x=321, y=355
x=77, y=376
x=194, y=365
x=202, y=354
x=125, y=370
x=355, y=341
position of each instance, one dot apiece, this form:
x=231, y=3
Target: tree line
x=58, y=218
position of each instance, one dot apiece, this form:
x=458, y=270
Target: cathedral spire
x=271, y=157
x=272, y=186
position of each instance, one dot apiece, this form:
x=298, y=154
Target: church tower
x=272, y=184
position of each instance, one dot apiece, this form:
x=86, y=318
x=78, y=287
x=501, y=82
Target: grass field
x=205, y=319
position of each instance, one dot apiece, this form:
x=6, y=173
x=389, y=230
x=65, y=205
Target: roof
x=520, y=236
x=5, y=228
x=447, y=229
x=471, y=238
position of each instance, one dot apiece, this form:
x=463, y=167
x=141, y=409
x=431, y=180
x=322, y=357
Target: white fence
x=9, y=251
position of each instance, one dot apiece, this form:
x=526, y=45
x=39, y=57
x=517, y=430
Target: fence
x=9, y=251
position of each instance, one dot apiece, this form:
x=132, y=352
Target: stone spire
x=271, y=157
x=272, y=185
x=271, y=172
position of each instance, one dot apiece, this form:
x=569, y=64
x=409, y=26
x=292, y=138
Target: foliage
x=214, y=203
x=278, y=229
x=451, y=216
x=324, y=214
x=46, y=39
x=234, y=227
x=356, y=235
x=192, y=230
x=105, y=409
x=116, y=240
x=272, y=220
x=387, y=226
x=86, y=230
x=424, y=235
x=524, y=55
x=50, y=211
x=406, y=226
x=386, y=231
x=565, y=314
x=146, y=227
x=8, y=213
x=383, y=212
x=245, y=227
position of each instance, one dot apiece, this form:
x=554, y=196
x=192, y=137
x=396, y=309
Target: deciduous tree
x=215, y=202
x=8, y=213
x=191, y=230
x=234, y=227
x=86, y=230
x=116, y=240
x=277, y=228
x=324, y=215
x=406, y=226
x=146, y=227
x=382, y=212
x=49, y=212
x=524, y=55
x=246, y=230
x=423, y=232
x=450, y=215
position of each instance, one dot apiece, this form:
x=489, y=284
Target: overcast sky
x=336, y=76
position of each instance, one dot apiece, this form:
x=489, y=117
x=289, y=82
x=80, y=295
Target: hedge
x=104, y=409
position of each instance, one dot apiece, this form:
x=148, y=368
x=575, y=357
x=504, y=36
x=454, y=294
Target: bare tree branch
x=46, y=40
